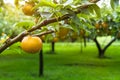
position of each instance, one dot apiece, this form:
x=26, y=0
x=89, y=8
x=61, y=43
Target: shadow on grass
x=86, y=64
x=50, y=52
x=104, y=57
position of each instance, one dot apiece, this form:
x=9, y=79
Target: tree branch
x=43, y=33
x=94, y=1
x=112, y=40
x=9, y=41
x=97, y=44
x=43, y=23
x=66, y=16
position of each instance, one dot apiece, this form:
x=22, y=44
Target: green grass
x=69, y=63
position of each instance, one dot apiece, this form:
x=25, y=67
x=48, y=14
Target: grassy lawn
x=69, y=63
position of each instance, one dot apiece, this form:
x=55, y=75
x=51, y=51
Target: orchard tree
x=80, y=15
x=106, y=25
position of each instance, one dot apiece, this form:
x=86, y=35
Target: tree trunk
x=101, y=53
x=53, y=46
x=100, y=50
x=84, y=39
x=41, y=69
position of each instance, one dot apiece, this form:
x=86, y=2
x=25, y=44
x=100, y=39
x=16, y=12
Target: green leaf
x=88, y=25
x=85, y=16
x=0, y=9
x=91, y=10
x=96, y=9
x=76, y=20
x=25, y=24
x=16, y=2
x=45, y=3
x=114, y=3
x=68, y=2
x=1, y=3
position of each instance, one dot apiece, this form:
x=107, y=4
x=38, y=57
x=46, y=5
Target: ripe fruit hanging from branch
x=28, y=8
x=82, y=32
x=97, y=25
x=31, y=44
x=42, y=37
x=63, y=32
x=74, y=36
x=105, y=25
x=55, y=39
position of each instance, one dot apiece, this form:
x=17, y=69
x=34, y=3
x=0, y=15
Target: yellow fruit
x=62, y=38
x=74, y=35
x=63, y=31
x=55, y=39
x=82, y=32
x=28, y=9
x=31, y=44
x=42, y=37
x=97, y=26
x=104, y=25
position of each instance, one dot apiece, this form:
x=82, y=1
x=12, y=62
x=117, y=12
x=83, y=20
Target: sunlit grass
x=68, y=63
